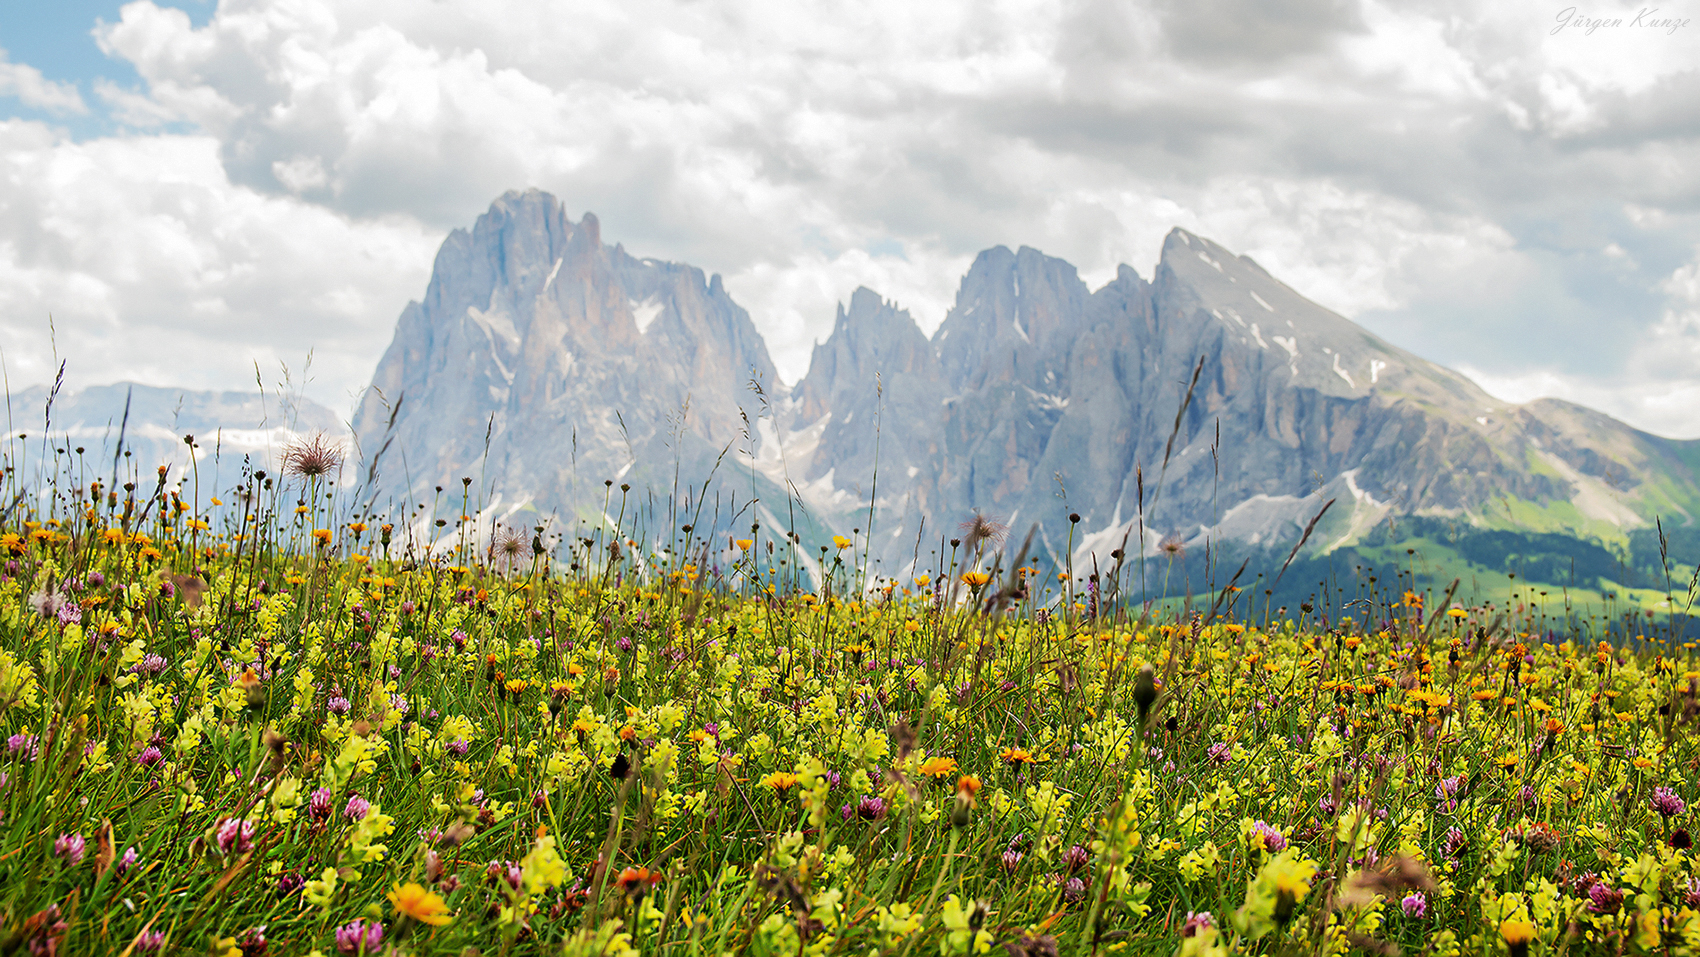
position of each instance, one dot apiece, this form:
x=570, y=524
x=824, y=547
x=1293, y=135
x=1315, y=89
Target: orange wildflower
x=420, y=904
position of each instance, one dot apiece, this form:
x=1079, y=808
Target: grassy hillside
x=1573, y=585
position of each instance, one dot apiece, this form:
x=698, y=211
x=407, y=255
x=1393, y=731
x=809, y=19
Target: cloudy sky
x=195, y=190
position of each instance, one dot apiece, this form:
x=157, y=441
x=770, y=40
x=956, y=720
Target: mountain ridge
x=1035, y=398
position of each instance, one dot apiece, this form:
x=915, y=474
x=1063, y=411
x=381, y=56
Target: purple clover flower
x=1446, y=792
x=70, y=848
x=360, y=937
x=235, y=836
x=508, y=871
x=1603, y=899
x=1273, y=840
x=1075, y=858
x=1666, y=802
x=1455, y=842
x=24, y=742
x=319, y=804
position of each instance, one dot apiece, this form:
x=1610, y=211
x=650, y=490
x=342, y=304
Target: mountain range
x=124, y=431
x=549, y=378
x=1210, y=404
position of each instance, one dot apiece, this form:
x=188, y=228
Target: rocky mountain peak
x=540, y=354
x=1009, y=320
x=870, y=339
x=509, y=250
x=1201, y=281
x=590, y=228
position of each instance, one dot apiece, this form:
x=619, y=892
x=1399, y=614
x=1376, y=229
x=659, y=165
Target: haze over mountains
x=149, y=423
x=543, y=363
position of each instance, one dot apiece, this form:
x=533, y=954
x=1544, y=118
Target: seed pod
x=1145, y=691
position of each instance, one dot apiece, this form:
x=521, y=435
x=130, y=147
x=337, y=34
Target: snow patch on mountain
x=1342, y=373
x=644, y=313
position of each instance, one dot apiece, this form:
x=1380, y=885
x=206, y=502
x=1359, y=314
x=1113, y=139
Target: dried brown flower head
x=1539, y=837
x=312, y=457
x=189, y=588
x=1029, y=946
x=1145, y=690
x=903, y=737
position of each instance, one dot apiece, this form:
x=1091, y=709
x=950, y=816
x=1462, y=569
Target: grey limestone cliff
x=542, y=364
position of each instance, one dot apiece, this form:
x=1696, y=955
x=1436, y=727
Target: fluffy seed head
x=312, y=457
x=982, y=531
x=508, y=548
x=1172, y=546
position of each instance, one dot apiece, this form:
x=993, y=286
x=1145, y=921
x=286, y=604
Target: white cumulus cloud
x=137, y=258
x=32, y=89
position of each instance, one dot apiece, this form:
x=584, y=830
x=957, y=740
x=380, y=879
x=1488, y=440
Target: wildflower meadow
x=257, y=720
